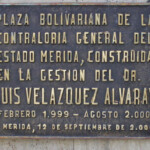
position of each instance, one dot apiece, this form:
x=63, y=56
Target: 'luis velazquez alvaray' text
x=75, y=96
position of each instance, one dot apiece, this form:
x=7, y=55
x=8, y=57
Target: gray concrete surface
x=97, y=144
x=74, y=144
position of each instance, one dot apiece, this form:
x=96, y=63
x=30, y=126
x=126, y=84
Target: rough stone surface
x=74, y=144
x=97, y=144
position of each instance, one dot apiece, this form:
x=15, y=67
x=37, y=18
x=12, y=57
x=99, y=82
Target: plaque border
x=78, y=4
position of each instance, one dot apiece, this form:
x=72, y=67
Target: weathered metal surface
x=33, y=103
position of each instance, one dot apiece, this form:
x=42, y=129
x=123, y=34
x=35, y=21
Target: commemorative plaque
x=75, y=71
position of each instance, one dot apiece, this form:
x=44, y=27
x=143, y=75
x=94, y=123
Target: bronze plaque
x=75, y=71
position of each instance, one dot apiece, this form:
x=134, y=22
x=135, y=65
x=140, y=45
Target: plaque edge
x=78, y=4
